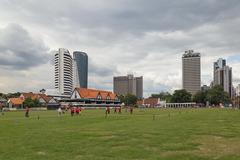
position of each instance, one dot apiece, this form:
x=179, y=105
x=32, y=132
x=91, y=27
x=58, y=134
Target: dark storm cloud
x=133, y=16
x=19, y=50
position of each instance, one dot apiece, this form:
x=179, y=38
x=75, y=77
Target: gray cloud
x=100, y=69
x=19, y=50
x=138, y=36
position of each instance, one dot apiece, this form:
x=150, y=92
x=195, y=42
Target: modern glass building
x=80, y=68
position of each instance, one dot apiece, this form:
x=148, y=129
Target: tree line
x=214, y=96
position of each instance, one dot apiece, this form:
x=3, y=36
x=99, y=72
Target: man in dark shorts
x=131, y=110
x=72, y=111
x=1, y=109
x=27, y=112
x=120, y=110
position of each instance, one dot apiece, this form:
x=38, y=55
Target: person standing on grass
x=59, y=111
x=1, y=108
x=27, y=112
x=120, y=110
x=115, y=109
x=72, y=111
x=131, y=110
x=63, y=109
x=77, y=111
x=107, y=110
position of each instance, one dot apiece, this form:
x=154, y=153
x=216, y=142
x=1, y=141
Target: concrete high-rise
x=222, y=75
x=63, y=71
x=191, y=71
x=129, y=84
x=80, y=69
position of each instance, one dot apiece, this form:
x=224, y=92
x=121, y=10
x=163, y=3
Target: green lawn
x=172, y=134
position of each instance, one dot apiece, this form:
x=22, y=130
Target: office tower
x=129, y=84
x=191, y=71
x=223, y=75
x=80, y=69
x=63, y=71
x=238, y=90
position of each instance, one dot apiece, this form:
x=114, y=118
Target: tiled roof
x=30, y=95
x=16, y=101
x=45, y=97
x=37, y=96
x=151, y=101
x=93, y=93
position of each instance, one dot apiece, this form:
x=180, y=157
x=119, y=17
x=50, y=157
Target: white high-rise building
x=223, y=76
x=238, y=90
x=63, y=71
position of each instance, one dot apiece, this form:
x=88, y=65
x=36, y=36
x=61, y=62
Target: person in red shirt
x=77, y=110
x=27, y=112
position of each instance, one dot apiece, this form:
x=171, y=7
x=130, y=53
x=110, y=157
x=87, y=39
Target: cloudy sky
x=144, y=37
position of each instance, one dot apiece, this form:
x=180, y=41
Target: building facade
x=80, y=69
x=129, y=84
x=238, y=90
x=63, y=71
x=223, y=76
x=191, y=71
x=91, y=98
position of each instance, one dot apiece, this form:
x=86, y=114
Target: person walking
x=1, y=109
x=59, y=111
x=120, y=110
x=77, y=110
x=72, y=111
x=27, y=112
x=131, y=110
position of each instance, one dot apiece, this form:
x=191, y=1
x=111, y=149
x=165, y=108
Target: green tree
x=130, y=99
x=200, y=97
x=28, y=102
x=121, y=98
x=217, y=95
x=181, y=96
x=163, y=96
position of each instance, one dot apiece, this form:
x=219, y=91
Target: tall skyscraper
x=129, y=84
x=80, y=69
x=223, y=75
x=191, y=71
x=63, y=71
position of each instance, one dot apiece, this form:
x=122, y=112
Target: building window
x=99, y=97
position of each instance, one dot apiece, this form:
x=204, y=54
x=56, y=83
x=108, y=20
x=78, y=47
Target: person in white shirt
x=59, y=111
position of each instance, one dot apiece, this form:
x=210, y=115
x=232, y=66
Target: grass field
x=170, y=134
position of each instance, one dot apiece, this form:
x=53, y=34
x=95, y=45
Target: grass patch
x=171, y=134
